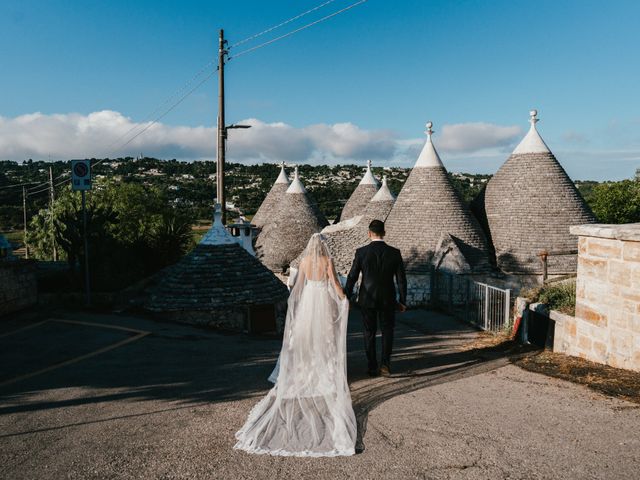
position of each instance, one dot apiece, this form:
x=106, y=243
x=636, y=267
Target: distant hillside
x=191, y=185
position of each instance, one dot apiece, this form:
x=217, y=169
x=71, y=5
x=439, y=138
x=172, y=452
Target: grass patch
x=608, y=380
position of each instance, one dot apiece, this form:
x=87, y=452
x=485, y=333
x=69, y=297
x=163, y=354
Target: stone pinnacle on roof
x=270, y=203
x=429, y=156
x=429, y=207
x=383, y=194
x=532, y=141
x=368, y=178
x=282, y=178
x=528, y=207
x=360, y=197
x=296, y=185
x=217, y=234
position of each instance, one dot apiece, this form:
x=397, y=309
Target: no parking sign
x=81, y=174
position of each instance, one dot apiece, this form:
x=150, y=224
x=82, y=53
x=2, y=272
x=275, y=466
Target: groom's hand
x=402, y=308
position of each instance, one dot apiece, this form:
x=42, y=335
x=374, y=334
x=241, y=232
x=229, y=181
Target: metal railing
x=544, y=258
x=475, y=302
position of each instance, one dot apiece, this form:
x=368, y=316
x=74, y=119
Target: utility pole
x=222, y=132
x=222, y=129
x=51, y=202
x=24, y=221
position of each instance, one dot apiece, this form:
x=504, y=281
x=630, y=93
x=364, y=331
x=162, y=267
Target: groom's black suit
x=379, y=264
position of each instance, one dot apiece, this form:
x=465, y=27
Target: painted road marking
x=22, y=329
x=139, y=334
x=95, y=324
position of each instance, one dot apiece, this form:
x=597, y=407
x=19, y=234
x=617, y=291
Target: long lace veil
x=308, y=412
x=316, y=265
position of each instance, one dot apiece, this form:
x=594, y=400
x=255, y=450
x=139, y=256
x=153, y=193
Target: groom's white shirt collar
x=377, y=239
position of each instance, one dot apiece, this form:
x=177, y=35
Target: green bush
x=559, y=296
x=617, y=202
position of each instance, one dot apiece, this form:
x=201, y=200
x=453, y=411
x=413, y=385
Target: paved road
x=120, y=397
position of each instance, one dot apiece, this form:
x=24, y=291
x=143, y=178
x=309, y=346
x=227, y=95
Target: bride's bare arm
x=333, y=276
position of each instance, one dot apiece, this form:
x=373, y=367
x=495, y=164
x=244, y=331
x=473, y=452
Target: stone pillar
x=607, y=319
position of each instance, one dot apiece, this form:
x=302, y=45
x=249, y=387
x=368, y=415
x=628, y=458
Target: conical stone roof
x=360, y=197
x=429, y=207
x=380, y=204
x=268, y=206
x=286, y=236
x=529, y=204
x=345, y=237
x=217, y=274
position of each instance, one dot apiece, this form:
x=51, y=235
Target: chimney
x=246, y=232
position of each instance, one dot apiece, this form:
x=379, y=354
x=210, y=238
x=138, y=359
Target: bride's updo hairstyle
x=316, y=246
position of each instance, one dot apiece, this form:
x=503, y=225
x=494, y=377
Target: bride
x=308, y=412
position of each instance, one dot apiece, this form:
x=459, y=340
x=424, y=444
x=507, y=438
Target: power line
x=177, y=93
x=304, y=27
x=159, y=117
x=38, y=188
x=46, y=189
x=270, y=29
x=39, y=191
x=47, y=183
x=18, y=185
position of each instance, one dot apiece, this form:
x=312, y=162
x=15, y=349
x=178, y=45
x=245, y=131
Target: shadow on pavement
x=187, y=366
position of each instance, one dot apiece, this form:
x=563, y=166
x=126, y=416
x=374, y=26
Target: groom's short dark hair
x=377, y=227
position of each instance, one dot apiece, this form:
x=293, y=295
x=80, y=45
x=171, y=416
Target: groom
x=379, y=264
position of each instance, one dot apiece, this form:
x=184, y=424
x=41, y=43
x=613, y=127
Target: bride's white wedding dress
x=308, y=412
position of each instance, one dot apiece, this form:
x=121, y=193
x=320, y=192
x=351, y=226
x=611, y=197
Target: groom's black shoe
x=384, y=371
x=373, y=373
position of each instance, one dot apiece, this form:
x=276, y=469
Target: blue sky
x=360, y=85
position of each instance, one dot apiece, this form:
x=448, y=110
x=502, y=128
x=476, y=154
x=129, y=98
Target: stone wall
x=232, y=318
x=606, y=327
x=18, y=286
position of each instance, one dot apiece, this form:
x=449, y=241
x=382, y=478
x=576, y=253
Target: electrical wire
x=38, y=188
x=17, y=185
x=154, y=112
x=304, y=27
x=271, y=29
x=159, y=117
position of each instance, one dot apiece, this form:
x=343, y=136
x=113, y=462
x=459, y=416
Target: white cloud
x=474, y=137
x=103, y=133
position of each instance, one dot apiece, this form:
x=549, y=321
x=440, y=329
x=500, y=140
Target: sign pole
x=81, y=180
x=86, y=250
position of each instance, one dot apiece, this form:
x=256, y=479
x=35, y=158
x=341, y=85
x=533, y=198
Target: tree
x=617, y=202
x=132, y=233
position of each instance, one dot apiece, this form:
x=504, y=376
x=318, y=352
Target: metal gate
x=475, y=302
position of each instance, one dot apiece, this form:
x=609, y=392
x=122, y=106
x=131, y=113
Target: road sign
x=81, y=174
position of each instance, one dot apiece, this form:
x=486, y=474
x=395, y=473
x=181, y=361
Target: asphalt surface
x=87, y=396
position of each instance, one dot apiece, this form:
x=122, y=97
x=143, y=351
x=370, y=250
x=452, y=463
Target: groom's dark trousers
x=379, y=264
